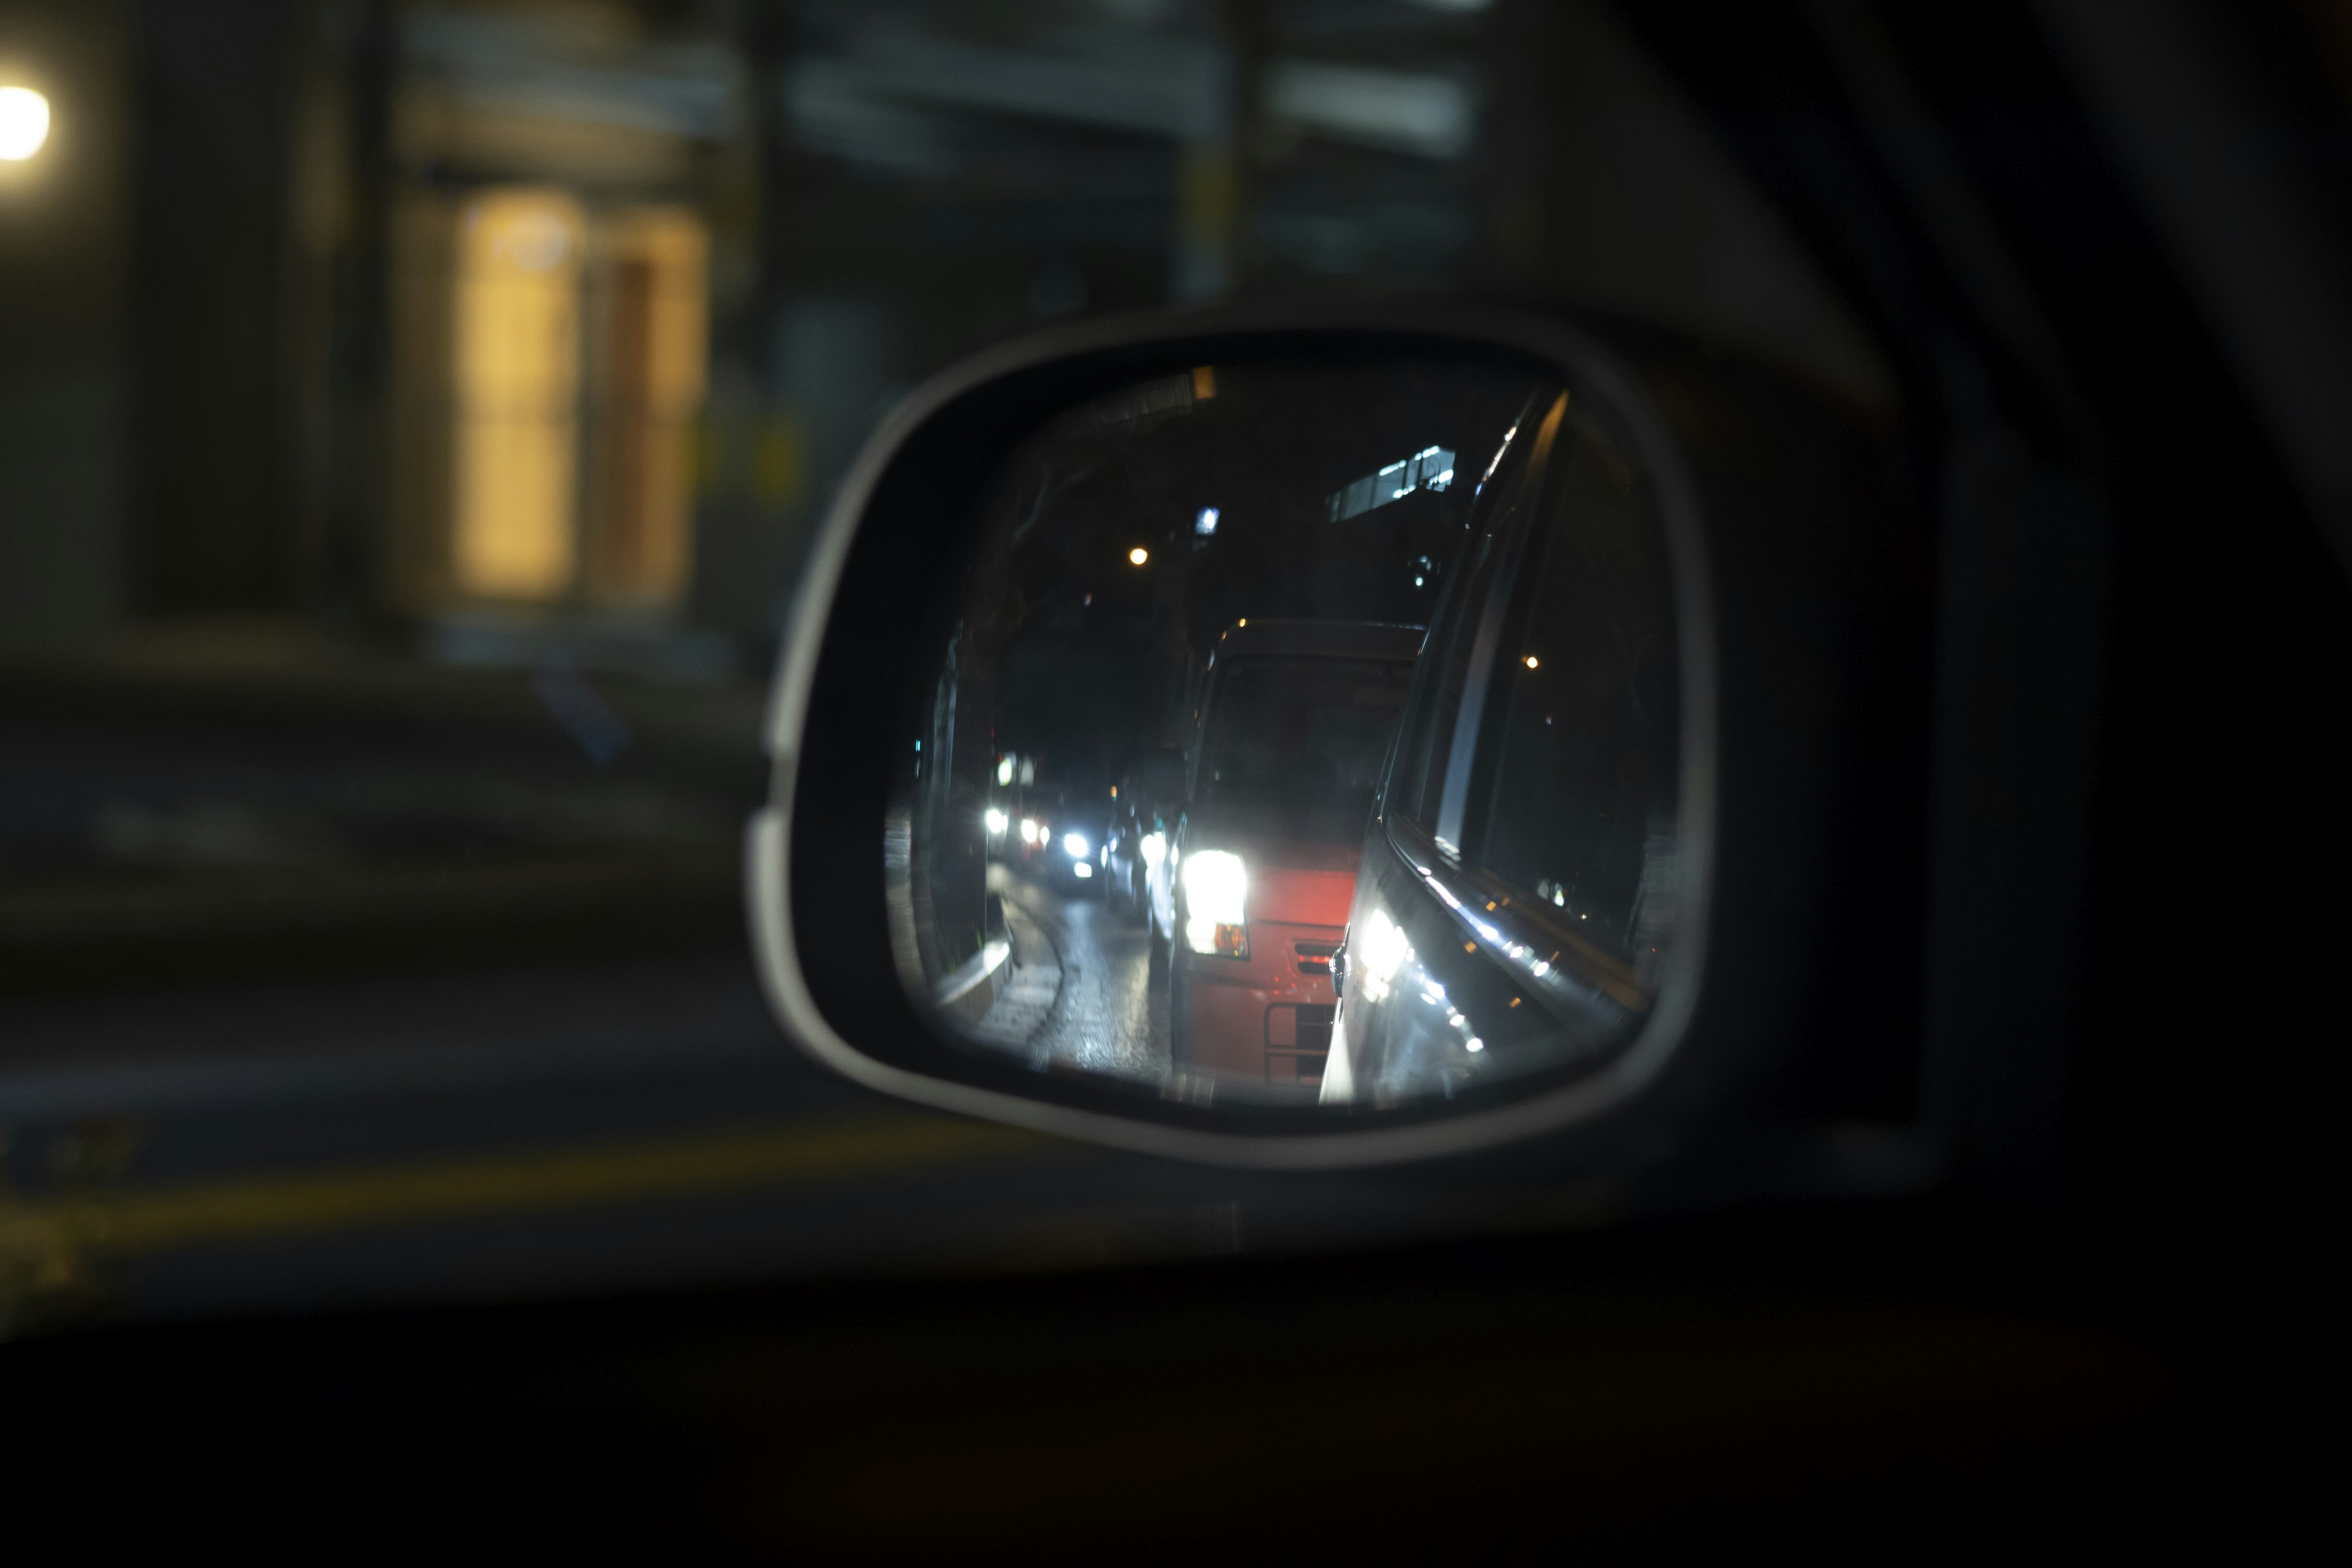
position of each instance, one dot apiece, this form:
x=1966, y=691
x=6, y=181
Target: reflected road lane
x=1083, y=990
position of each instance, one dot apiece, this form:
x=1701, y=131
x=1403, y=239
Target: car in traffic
x=1518, y=888
x=1296, y=722
x=1059, y=839
x=1145, y=806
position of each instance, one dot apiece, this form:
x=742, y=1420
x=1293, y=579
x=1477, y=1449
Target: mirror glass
x=1304, y=734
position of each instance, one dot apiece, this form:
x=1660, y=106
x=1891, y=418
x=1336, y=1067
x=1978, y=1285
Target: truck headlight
x=1216, y=899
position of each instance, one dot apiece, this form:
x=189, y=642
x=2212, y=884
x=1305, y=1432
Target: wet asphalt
x=1083, y=989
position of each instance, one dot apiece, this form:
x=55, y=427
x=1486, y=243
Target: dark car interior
x=556, y=555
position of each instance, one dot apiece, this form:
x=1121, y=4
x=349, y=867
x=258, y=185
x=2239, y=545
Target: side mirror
x=1431, y=605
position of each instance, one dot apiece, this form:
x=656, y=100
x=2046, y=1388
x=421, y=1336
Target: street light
x=1138, y=556
x=24, y=124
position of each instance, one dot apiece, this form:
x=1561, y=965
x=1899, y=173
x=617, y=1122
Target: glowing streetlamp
x=1138, y=556
x=24, y=124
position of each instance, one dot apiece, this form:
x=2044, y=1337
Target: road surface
x=1082, y=989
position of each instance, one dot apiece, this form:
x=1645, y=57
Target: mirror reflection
x=1306, y=735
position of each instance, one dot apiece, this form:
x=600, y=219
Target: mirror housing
x=1758, y=783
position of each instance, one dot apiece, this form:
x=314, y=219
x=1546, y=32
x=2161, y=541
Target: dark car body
x=1149, y=801
x=1522, y=878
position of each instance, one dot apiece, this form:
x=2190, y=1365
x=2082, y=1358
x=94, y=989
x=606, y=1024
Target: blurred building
x=414, y=412
x=475, y=330
x=550, y=175
x=65, y=223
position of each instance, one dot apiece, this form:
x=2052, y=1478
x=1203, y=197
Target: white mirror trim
x=768, y=837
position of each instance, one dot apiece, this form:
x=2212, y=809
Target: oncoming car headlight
x=1076, y=844
x=1155, y=848
x=1028, y=830
x=1216, y=896
x=996, y=823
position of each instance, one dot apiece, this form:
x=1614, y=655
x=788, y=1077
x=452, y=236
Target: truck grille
x=1297, y=1042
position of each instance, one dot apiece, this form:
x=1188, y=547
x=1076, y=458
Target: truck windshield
x=1303, y=729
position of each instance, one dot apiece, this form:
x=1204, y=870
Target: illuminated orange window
x=550, y=371
x=516, y=365
x=651, y=311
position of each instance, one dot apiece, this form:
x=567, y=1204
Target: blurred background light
x=1412, y=112
x=24, y=124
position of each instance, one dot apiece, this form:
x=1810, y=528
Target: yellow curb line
x=131, y=1222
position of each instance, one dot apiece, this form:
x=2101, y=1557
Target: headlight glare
x=1216, y=900
x=1216, y=885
